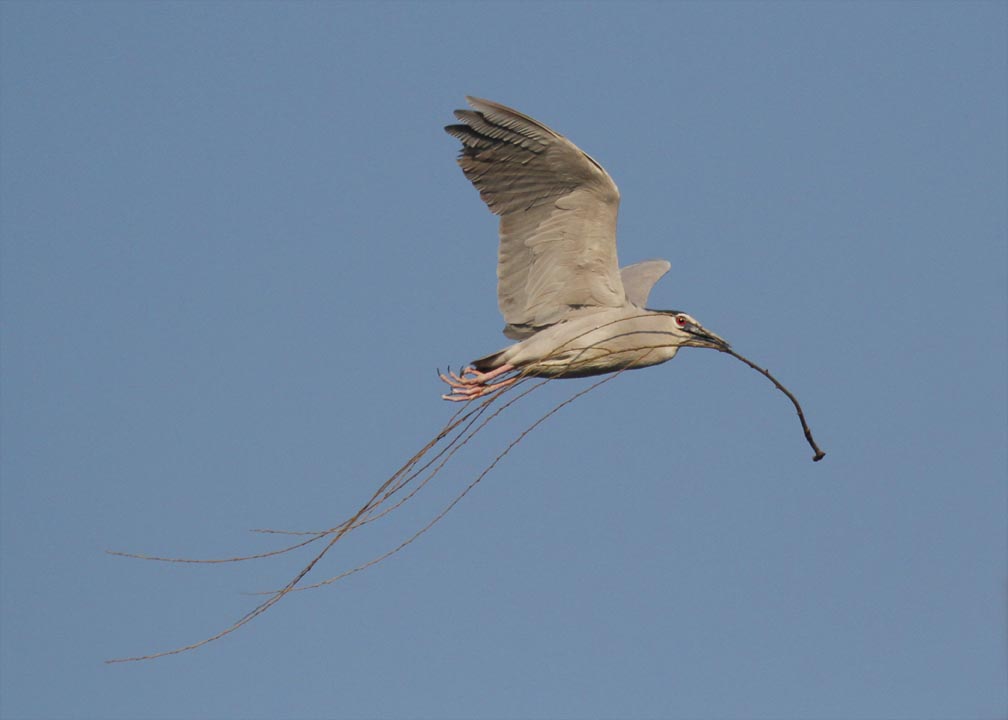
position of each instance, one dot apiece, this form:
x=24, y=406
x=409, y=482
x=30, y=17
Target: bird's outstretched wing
x=558, y=216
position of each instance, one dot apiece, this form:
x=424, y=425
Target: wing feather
x=558, y=212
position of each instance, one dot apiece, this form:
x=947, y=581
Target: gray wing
x=558, y=216
x=639, y=278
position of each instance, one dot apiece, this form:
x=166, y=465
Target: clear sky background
x=236, y=246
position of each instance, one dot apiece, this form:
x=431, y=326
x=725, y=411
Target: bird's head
x=691, y=333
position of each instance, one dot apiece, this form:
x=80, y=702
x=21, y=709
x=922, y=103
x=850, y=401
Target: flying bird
x=564, y=298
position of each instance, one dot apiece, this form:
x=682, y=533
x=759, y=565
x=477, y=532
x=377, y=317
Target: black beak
x=705, y=338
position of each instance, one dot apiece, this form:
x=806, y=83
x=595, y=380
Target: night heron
x=561, y=291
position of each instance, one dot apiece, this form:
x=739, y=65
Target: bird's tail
x=488, y=362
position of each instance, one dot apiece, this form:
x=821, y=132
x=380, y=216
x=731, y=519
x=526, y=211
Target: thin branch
x=338, y=534
x=215, y=561
x=819, y=454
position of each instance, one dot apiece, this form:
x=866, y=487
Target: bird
x=572, y=310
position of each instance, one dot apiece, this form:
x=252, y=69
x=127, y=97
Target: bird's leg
x=471, y=376
x=471, y=383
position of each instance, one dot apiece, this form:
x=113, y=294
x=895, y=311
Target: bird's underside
x=589, y=343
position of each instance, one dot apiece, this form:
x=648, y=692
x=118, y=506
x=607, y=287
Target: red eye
x=680, y=320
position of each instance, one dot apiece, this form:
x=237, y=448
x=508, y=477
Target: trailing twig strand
x=363, y=515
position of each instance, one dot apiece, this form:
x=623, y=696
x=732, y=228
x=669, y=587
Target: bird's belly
x=596, y=361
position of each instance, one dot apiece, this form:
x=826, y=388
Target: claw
x=471, y=392
x=470, y=383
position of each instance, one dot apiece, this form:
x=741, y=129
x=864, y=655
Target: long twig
x=819, y=454
x=341, y=530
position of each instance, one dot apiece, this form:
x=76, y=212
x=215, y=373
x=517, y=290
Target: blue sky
x=235, y=246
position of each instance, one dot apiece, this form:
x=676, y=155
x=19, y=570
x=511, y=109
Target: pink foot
x=471, y=384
